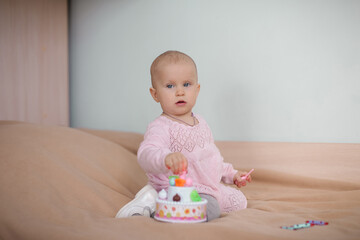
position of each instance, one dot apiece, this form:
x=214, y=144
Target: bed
x=65, y=183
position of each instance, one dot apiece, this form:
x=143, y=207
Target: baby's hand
x=238, y=181
x=176, y=162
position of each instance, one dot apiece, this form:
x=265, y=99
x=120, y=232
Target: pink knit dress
x=205, y=163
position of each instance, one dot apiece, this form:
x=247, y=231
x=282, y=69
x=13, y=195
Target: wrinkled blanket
x=65, y=183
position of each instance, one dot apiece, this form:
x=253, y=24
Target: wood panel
x=34, y=85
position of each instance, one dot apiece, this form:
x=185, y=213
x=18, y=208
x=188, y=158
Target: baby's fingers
x=239, y=183
x=180, y=164
x=176, y=162
x=184, y=165
x=248, y=178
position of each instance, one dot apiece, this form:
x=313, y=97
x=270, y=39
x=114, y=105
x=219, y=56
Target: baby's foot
x=142, y=205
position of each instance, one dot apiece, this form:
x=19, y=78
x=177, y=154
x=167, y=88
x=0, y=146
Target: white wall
x=269, y=70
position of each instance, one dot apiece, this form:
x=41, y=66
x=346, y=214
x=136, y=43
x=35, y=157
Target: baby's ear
x=154, y=94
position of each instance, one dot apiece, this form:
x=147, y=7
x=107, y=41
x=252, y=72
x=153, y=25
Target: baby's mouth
x=181, y=102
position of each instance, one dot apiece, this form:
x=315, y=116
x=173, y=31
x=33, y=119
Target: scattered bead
x=297, y=226
x=314, y=222
x=307, y=224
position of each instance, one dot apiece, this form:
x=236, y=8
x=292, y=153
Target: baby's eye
x=186, y=84
x=169, y=86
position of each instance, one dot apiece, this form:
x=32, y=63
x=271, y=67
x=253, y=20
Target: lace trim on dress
x=183, y=138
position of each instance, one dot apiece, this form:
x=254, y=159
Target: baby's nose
x=180, y=91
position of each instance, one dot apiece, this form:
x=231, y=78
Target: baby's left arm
x=232, y=176
x=228, y=173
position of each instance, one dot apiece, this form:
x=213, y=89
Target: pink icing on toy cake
x=181, y=204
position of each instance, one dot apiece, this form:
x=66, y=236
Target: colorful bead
x=314, y=222
x=307, y=224
x=297, y=226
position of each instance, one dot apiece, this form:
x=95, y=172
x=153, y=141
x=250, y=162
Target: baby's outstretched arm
x=176, y=162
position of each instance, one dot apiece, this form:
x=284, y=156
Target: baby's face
x=176, y=88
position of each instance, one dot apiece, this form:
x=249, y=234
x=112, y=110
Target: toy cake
x=181, y=203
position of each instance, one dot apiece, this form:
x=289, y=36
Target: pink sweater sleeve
x=153, y=150
x=228, y=173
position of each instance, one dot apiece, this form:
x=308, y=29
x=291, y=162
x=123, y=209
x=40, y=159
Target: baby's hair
x=170, y=56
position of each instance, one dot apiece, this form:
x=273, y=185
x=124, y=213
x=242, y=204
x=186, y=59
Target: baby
x=179, y=141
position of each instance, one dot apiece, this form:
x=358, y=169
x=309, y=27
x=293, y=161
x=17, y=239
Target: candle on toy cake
x=181, y=203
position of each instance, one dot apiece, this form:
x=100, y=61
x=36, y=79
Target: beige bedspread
x=64, y=183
